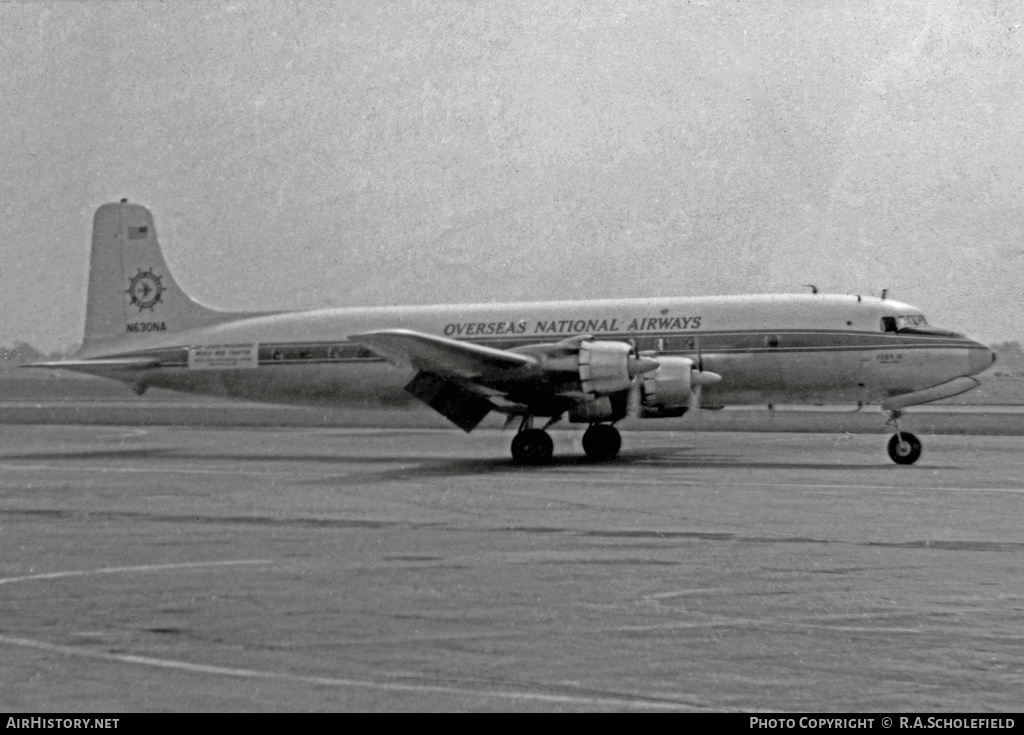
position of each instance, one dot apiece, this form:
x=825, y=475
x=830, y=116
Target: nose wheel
x=904, y=447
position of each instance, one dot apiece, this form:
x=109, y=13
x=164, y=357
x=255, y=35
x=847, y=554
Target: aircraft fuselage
x=771, y=349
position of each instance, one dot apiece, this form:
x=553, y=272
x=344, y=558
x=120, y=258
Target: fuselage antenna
x=814, y=289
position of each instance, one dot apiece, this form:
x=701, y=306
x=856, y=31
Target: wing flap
x=458, y=404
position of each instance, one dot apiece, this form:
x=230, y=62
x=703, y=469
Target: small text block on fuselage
x=223, y=357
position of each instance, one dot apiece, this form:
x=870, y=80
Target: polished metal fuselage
x=768, y=349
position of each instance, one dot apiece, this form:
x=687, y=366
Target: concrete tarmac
x=254, y=569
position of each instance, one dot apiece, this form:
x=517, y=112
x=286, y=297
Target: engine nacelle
x=605, y=372
x=604, y=367
x=668, y=390
x=591, y=410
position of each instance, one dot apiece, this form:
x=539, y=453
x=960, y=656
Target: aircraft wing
x=440, y=355
x=451, y=375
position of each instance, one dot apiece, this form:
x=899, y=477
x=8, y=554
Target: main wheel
x=601, y=442
x=532, y=446
x=906, y=451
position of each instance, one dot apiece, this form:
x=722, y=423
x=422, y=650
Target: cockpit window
x=913, y=324
x=899, y=323
x=911, y=320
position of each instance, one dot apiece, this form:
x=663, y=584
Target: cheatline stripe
x=709, y=342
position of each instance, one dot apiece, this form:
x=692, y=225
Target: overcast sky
x=304, y=155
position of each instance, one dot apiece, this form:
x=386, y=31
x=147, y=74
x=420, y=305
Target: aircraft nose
x=980, y=358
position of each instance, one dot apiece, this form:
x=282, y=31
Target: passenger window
x=888, y=324
x=645, y=344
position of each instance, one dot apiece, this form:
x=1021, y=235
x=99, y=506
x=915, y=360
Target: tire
x=906, y=452
x=602, y=442
x=532, y=447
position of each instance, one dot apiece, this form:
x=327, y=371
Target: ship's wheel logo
x=145, y=289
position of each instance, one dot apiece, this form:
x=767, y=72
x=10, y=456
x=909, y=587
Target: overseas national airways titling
x=570, y=326
x=587, y=362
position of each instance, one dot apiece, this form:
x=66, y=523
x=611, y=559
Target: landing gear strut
x=531, y=446
x=601, y=442
x=904, y=447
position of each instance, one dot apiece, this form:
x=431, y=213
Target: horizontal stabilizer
x=440, y=355
x=84, y=365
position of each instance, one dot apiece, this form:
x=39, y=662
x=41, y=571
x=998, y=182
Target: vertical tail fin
x=132, y=294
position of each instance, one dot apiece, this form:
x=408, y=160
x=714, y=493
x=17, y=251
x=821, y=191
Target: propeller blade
x=695, y=396
x=698, y=379
x=633, y=400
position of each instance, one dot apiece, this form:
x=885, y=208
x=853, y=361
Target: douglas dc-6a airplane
x=595, y=362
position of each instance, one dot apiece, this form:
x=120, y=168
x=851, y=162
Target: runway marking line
x=139, y=568
x=697, y=482
x=612, y=701
x=594, y=480
x=149, y=470
x=320, y=680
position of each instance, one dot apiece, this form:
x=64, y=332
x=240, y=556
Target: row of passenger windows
x=282, y=353
x=313, y=352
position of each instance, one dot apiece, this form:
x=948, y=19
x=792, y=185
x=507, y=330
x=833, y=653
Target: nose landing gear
x=904, y=447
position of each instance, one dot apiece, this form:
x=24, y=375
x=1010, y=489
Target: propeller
x=636, y=365
x=633, y=398
x=697, y=386
x=699, y=378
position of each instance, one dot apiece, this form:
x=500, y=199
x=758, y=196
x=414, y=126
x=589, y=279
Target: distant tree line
x=1010, y=360
x=1008, y=349
x=24, y=352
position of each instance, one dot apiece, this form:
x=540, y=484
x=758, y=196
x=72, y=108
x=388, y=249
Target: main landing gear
x=904, y=447
x=531, y=446
x=601, y=442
